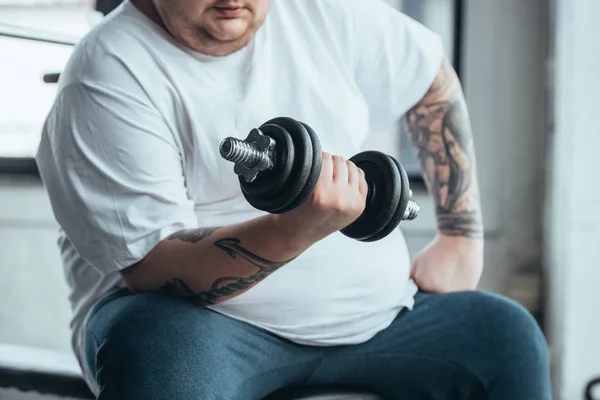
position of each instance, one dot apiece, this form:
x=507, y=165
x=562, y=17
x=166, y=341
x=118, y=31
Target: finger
x=326, y=168
x=363, y=186
x=353, y=174
x=340, y=171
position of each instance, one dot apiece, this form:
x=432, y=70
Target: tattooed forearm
x=229, y=285
x=440, y=131
x=459, y=223
x=192, y=235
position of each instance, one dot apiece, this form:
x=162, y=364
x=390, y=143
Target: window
x=25, y=98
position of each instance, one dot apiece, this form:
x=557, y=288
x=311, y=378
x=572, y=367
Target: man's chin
x=230, y=30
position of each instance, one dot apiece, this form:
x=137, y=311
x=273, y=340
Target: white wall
x=573, y=214
x=33, y=298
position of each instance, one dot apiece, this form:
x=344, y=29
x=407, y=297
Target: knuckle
x=318, y=193
x=338, y=206
x=318, y=201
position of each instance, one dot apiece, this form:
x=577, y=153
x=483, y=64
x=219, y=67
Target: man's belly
x=339, y=291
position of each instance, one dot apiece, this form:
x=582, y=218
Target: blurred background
x=530, y=73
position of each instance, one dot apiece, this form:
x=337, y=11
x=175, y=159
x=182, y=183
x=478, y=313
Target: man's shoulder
x=334, y=17
x=330, y=10
x=335, y=8
x=113, y=44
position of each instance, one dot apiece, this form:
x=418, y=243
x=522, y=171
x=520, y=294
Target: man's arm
x=128, y=190
x=208, y=266
x=440, y=131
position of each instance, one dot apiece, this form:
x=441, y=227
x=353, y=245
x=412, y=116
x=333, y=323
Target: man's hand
x=338, y=199
x=448, y=264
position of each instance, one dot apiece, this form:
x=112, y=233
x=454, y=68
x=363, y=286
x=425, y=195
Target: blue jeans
x=466, y=345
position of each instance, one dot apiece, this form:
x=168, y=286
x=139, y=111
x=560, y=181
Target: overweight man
x=181, y=290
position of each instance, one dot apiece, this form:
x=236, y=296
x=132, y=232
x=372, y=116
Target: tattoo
x=459, y=224
x=229, y=285
x=192, y=235
x=440, y=131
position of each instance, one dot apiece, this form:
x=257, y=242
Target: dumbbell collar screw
x=412, y=211
x=251, y=156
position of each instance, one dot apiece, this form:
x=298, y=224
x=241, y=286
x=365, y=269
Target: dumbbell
x=592, y=390
x=279, y=163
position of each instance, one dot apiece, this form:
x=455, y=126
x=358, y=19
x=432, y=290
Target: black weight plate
x=400, y=208
x=389, y=203
x=405, y=194
x=301, y=165
x=271, y=181
x=315, y=171
x=591, y=388
x=384, y=180
x=303, y=162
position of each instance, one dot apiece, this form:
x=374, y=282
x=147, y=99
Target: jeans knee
x=507, y=349
x=511, y=331
x=147, y=346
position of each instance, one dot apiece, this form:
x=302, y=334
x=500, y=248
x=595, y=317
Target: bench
x=56, y=373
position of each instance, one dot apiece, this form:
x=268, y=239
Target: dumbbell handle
x=257, y=154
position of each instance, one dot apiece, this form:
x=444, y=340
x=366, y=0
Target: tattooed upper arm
x=440, y=131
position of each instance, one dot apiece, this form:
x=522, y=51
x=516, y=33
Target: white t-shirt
x=129, y=152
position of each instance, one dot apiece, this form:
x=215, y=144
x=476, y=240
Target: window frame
x=27, y=165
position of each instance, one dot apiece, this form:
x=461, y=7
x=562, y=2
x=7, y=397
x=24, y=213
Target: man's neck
x=147, y=8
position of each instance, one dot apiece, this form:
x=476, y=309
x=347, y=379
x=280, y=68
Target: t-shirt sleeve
x=396, y=59
x=113, y=171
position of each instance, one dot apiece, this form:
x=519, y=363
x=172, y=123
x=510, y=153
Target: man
x=181, y=290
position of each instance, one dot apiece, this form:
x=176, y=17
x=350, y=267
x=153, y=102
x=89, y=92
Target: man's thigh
x=467, y=345
x=152, y=346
